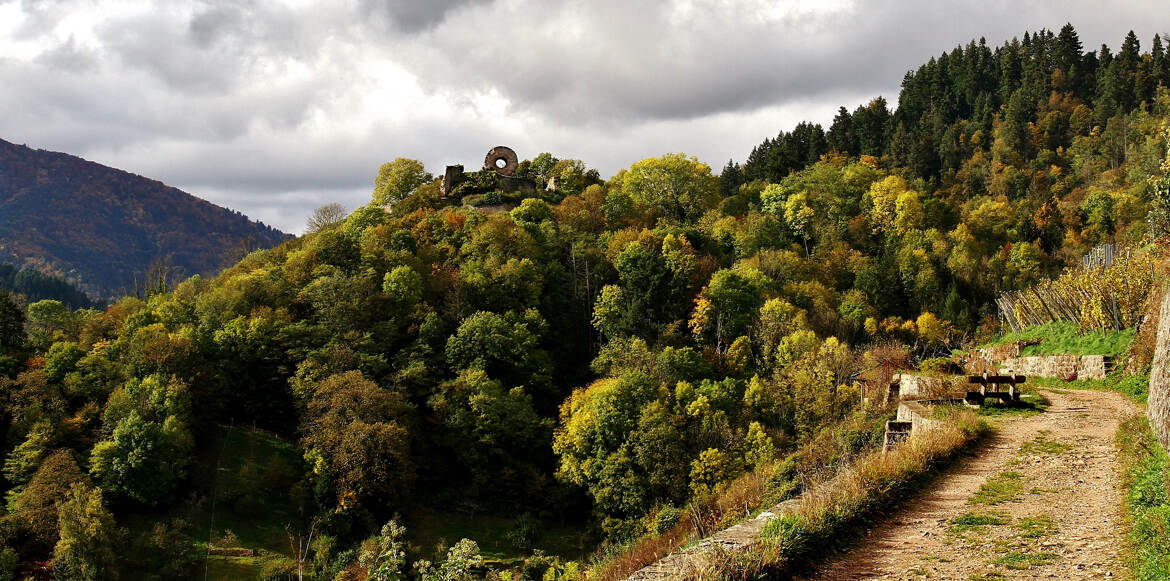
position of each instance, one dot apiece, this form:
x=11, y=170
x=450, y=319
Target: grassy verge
x=1063, y=338
x=1146, y=472
x=875, y=483
x=1135, y=387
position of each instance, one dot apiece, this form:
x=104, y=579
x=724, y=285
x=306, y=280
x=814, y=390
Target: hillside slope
x=105, y=228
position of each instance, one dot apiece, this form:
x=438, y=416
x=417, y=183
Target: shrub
x=1147, y=468
x=942, y=365
x=664, y=519
x=279, y=570
x=524, y=532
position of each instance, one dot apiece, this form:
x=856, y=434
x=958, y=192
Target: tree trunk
x=1158, y=406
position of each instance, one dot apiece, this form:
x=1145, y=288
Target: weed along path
x=1039, y=500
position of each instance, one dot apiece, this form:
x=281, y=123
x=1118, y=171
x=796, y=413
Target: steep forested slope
x=106, y=228
x=611, y=349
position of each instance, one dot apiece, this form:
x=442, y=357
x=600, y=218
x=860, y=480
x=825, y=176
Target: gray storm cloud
x=257, y=105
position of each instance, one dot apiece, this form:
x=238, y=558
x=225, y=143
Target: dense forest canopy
x=35, y=285
x=605, y=348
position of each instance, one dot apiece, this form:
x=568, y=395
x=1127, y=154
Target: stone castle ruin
x=500, y=173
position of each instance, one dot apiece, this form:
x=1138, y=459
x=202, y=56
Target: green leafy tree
x=61, y=359
x=23, y=461
x=799, y=215
x=404, y=286
x=659, y=451
x=1159, y=216
x=492, y=430
x=612, y=314
x=594, y=447
x=47, y=320
x=355, y=433
x=542, y=165
x=712, y=468
x=646, y=286
x=143, y=461
x=730, y=303
x=398, y=179
x=89, y=535
x=760, y=447
x=506, y=347
x=680, y=187
x=35, y=508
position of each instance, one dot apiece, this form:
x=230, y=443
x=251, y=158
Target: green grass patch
x=244, y=481
x=1147, y=504
x=1135, y=387
x=1021, y=560
x=1035, y=527
x=1044, y=445
x=1063, y=338
x=1001, y=488
x=253, y=478
x=231, y=568
x=976, y=522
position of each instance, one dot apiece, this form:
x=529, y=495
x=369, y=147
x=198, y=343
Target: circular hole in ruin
x=501, y=163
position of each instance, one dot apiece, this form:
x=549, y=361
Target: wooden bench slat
x=997, y=379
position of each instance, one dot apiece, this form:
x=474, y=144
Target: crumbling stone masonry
x=1158, y=405
x=500, y=160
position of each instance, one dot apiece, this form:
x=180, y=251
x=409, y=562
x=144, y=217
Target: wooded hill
x=602, y=354
x=109, y=230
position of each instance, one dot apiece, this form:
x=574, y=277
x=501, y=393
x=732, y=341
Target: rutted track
x=1076, y=488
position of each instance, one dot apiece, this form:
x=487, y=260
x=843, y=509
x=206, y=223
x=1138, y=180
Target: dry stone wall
x=1066, y=367
x=1158, y=405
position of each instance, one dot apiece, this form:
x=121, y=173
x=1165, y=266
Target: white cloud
x=274, y=108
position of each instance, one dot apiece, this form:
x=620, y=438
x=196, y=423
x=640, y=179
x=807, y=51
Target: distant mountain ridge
x=105, y=228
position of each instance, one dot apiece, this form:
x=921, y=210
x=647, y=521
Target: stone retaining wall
x=919, y=386
x=1067, y=367
x=1158, y=406
x=918, y=415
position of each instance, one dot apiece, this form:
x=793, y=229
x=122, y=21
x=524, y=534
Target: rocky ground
x=1039, y=501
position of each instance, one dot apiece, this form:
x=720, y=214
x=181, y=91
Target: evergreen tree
x=1158, y=63
x=11, y=323
x=730, y=179
x=840, y=137
x=1124, y=70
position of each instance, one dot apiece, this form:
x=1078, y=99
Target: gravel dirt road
x=1040, y=500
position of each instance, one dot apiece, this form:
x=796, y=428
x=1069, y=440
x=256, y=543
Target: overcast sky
x=274, y=108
